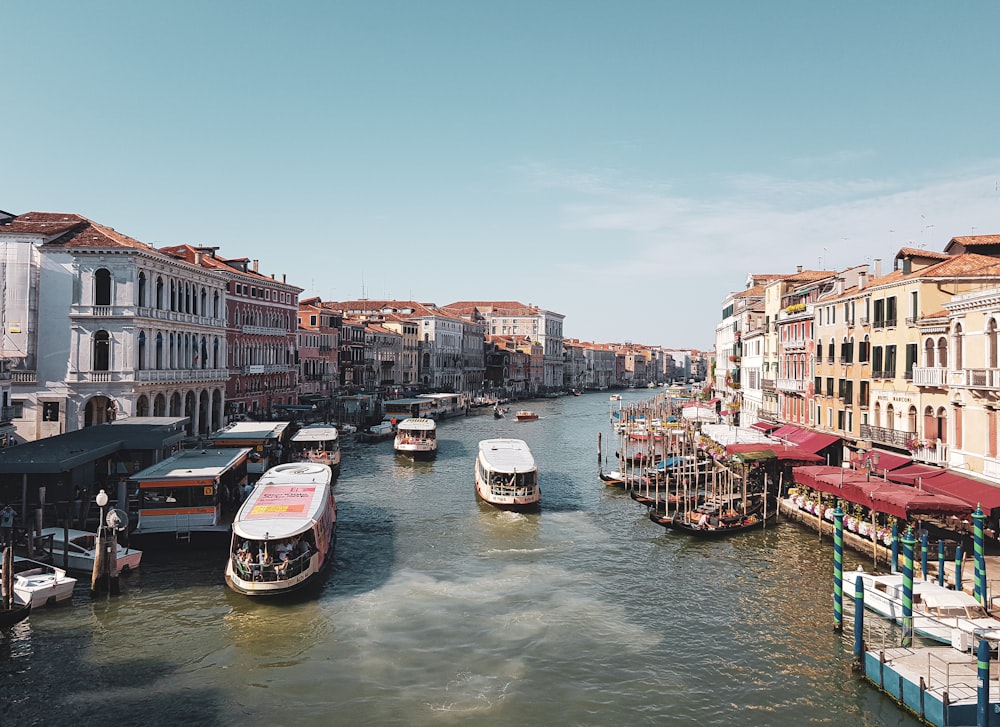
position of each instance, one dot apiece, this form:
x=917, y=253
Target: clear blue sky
x=623, y=163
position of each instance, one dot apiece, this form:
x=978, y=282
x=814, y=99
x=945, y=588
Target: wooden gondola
x=711, y=521
x=14, y=615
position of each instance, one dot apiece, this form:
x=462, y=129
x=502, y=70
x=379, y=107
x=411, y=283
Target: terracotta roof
x=920, y=252
x=69, y=231
x=974, y=240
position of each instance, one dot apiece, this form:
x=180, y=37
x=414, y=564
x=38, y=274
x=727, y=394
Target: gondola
x=14, y=615
x=712, y=521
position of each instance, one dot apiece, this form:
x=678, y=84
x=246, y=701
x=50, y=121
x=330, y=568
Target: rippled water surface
x=443, y=611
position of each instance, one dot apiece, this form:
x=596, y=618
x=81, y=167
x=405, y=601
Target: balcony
x=891, y=437
x=936, y=453
x=23, y=377
x=180, y=375
x=794, y=345
x=794, y=386
x=767, y=385
x=974, y=378
x=264, y=369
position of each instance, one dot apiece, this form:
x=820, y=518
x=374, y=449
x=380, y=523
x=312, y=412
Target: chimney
x=877, y=266
x=862, y=279
x=197, y=257
x=798, y=268
x=282, y=277
x=840, y=286
x=255, y=262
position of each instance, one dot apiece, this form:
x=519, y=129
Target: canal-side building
x=261, y=327
x=510, y=318
x=129, y=331
x=319, y=336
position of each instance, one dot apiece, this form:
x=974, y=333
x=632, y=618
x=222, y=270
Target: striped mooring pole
x=941, y=562
x=958, y=567
x=983, y=684
x=894, y=568
x=908, y=542
x=923, y=555
x=979, y=579
x=838, y=568
x=859, y=623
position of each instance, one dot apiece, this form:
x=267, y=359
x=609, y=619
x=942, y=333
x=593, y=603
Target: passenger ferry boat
x=417, y=438
x=506, y=475
x=318, y=443
x=284, y=534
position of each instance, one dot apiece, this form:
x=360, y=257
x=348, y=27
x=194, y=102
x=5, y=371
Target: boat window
x=178, y=497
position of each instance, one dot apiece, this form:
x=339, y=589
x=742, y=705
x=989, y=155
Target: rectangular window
x=877, y=361
x=890, y=362
x=50, y=411
x=911, y=359
x=913, y=305
x=863, y=393
x=829, y=386
x=840, y=420
x=17, y=409
x=890, y=311
x=879, y=321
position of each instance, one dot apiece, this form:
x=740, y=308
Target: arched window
x=911, y=420
x=889, y=416
x=159, y=351
x=142, y=290
x=159, y=292
x=140, y=362
x=942, y=353
x=929, y=357
x=173, y=296
x=102, y=351
x=215, y=305
x=102, y=287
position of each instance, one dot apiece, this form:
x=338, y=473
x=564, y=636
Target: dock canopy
x=808, y=439
x=748, y=452
x=879, y=495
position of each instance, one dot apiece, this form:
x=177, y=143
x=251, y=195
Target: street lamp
x=871, y=464
x=102, y=500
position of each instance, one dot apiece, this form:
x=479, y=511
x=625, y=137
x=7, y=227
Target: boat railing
x=254, y=571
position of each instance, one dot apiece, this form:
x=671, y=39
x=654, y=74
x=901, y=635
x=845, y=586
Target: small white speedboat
x=40, y=584
x=82, y=551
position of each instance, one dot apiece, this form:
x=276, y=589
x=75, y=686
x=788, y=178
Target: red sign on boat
x=278, y=501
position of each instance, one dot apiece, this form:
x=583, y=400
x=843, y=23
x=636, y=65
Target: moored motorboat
x=416, y=437
x=378, y=432
x=40, y=584
x=80, y=551
x=506, y=474
x=524, y=415
x=284, y=533
x=939, y=613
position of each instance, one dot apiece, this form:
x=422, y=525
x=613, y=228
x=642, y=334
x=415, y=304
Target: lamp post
x=871, y=465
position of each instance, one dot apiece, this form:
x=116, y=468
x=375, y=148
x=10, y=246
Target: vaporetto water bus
x=506, y=475
x=417, y=438
x=284, y=534
x=319, y=443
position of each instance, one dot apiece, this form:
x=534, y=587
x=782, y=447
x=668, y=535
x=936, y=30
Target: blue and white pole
x=908, y=542
x=859, y=622
x=958, y=567
x=983, y=684
x=838, y=569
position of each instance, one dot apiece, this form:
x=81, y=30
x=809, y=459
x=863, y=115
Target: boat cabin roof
x=251, y=430
x=287, y=500
x=417, y=424
x=506, y=455
x=316, y=433
x=194, y=463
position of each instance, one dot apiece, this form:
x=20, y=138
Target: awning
x=756, y=452
x=911, y=473
x=973, y=492
x=764, y=426
x=785, y=431
x=816, y=441
x=887, y=461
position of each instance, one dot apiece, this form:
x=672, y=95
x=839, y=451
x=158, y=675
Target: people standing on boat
x=7, y=516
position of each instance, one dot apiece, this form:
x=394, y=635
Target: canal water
x=444, y=611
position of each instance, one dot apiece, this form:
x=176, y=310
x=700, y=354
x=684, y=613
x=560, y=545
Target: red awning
x=815, y=441
x=912, y=473
x=764, y=426
x=887, y=461
x=771, y=450
x=973, y=492
x=785, y=431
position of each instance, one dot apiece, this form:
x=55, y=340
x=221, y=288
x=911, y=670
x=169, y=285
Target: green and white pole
x=983, y=684
x=838, y=569
x=979, y=581
x=940, y=562
x=908, y=542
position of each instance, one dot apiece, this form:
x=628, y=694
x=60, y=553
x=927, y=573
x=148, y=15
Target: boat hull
x=677, y=523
